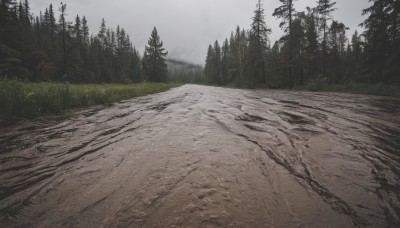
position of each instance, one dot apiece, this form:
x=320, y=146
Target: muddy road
x=199, y=156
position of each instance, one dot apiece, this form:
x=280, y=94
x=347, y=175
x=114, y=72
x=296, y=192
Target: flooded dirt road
x=199, y=156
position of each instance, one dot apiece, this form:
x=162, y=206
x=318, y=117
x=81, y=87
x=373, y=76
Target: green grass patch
x=20, y=100
x=355, y=88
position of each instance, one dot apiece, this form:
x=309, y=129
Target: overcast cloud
x=187, y=27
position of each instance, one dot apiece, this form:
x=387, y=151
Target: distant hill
x=181, y=71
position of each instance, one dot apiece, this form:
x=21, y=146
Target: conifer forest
x=315, y=48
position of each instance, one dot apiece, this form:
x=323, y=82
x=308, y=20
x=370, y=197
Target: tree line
x=46, y=48
x=313, y=49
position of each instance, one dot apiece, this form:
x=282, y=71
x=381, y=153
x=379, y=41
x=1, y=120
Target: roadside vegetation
x=20, y=100
x=355, y=88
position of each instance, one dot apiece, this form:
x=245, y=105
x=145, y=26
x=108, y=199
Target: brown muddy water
x=199, y=156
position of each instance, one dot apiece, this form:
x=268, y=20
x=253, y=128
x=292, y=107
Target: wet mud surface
x=199, y=156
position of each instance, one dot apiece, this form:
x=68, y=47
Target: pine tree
x=311, y=46
x=382, y=40
x=217, y=64
x=6, y=17
x=85, y=33
x=258, y=44
x=325, y=9
x=274, y=65
x=21, y=13
x=298, y=46
x=64, y=27
x=286, y=11
x=208, y=69
x=46, y=21
x=336, y=41
x=5, y=12
x=52, y=22
x=78, y=31
x=224, y=62
x=27, y=16
x=136, y=74
x=356, y=47
x=156, y=67
x=102, y=33
x=239, y=48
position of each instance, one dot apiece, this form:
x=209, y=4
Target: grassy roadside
x=20, y=100
x=354, y=88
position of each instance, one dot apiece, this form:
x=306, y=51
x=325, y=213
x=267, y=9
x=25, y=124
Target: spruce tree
x=5, y=12
x=64, y=31
x=78, y=31
x=224, y=62
x=6, y=18
x=325, y=9
x=217, y=64
x=85, y=33
x=336, y=43
x=102, y=32
x=258, y=45
x=286, y=11
x=239, y=48
x=383, y=40
x=46, y=21
x=356, y=47
x=52, y=22
x=27, y=15
x=156, y=67
x=208, y=69
x=311, y=46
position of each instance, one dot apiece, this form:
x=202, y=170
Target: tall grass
x=356, y=88
x=20, y=100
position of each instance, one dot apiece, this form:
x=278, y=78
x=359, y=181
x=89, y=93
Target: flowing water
x=199, y=156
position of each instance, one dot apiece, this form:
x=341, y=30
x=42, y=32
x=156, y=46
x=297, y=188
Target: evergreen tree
x=78, y=31
x=298, y=46
x=85, y=33
x=156, y=67
x=239, y=48
x=217, y=64
x=27, y=15
x=102, y=32
x=325, y=9
x=382, y=40
x=64, y=27
x=286, y=11
x=336, y=42
x=208, y=69
x=46, y=21
x=5, y=12
x=224, y=62
x=311, y=46
x=52, y=22
x=356, y=48
x=6, y=18
x=258, y=46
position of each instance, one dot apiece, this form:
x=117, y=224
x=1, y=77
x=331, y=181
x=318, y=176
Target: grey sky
x=187, y=27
